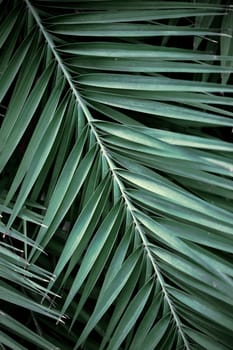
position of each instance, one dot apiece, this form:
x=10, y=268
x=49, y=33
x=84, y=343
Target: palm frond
x=115, y=162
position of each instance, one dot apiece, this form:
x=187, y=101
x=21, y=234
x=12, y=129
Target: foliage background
x=116, y=174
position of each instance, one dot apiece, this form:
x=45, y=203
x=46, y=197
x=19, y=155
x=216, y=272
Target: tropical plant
x=116, y=174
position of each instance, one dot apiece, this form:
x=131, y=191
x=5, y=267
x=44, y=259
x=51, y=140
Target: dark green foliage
x=116, y=175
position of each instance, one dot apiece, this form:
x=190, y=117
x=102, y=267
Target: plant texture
x=116, y=175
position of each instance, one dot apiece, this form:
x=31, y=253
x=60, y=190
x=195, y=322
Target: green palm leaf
x=116, y=174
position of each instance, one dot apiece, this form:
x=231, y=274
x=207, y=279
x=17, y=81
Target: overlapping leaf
x=123, y=177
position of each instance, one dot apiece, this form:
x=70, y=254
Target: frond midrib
x=111, y=165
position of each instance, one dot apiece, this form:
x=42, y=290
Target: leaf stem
x=111, y=165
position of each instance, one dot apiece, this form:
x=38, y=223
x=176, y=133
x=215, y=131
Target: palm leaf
x=116, y=163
